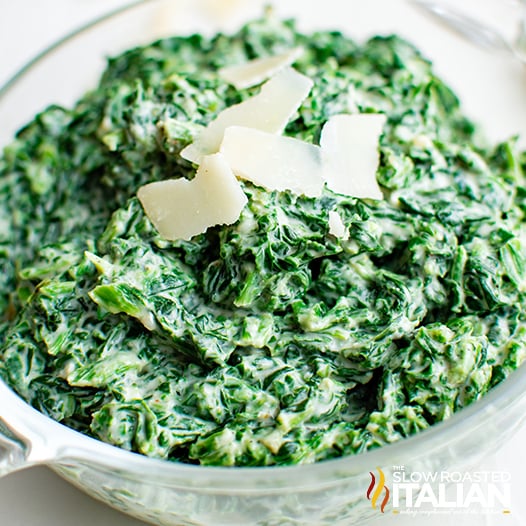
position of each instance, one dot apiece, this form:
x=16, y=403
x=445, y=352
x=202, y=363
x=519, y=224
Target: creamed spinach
x=269, y=341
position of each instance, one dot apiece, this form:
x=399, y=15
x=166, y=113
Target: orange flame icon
x=374, y=496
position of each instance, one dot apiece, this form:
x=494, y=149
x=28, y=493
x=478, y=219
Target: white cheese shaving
x=350, y=154
x=258, y=70
x=270, y=110
x=273, y=161
x=337, y=227
x=181, y=209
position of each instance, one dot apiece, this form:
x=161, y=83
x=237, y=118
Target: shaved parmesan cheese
x=350, y=154
x=181, y=209
x=270, y=110
x=273, y=161
x=256, y=71
x=337, y=227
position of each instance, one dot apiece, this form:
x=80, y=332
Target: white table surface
x=38, y=497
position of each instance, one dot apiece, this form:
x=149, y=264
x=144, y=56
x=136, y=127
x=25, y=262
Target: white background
x=38, y=497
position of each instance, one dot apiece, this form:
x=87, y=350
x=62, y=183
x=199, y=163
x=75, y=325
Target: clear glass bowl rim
x=73, y=446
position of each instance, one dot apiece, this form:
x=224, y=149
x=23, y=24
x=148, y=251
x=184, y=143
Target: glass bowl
x=328, y=493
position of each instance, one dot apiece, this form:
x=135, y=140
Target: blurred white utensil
x=477, y=32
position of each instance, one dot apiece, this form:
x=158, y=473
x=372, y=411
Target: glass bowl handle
x=14, y=450
x=26, y=438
